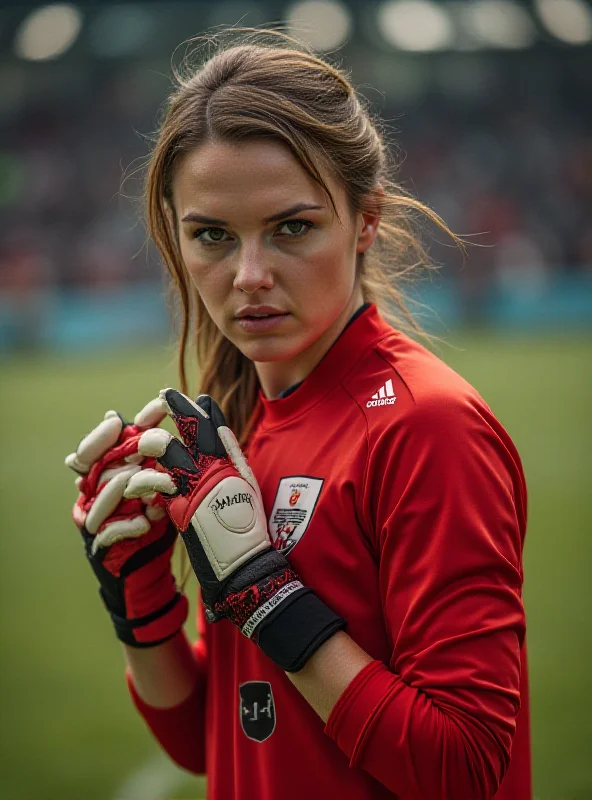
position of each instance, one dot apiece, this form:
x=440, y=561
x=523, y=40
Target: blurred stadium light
x=324, y=24
x=114, y=29
x=416, y=25
x=48, y=32
x=500, y=23
x=568, y=20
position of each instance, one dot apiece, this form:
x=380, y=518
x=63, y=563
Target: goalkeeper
x=353, y=511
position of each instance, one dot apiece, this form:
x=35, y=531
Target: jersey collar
x=339, y=360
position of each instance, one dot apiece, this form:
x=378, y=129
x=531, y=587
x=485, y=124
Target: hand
x=214, y=500
x=128, y=543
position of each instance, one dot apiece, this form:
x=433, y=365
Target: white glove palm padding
x=105, y=469
x=221, y=502
x=216, y=504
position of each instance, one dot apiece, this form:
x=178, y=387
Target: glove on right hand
x=128, y=543
x=214, y=499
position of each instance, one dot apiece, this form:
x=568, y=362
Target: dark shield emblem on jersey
x=257, y=711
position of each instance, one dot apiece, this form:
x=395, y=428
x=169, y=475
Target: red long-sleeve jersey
x=397, y=496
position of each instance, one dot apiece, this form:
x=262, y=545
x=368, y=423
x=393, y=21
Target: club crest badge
x=257, y=710
x=294, y=505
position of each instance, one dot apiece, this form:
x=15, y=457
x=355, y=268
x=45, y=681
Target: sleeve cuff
x=359, y=707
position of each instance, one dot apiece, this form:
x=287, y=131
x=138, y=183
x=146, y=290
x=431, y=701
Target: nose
x=252, y=273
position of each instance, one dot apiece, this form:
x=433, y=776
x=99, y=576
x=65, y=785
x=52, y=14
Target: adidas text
x=385, y=396
x=384, y=401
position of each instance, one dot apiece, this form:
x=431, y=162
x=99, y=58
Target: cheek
x=333, y=269
x=211, y=286
x=207, y=277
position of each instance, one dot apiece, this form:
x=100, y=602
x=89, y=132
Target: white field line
x=154, y=780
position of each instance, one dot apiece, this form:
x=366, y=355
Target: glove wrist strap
x=297, y=630
x=247, y=608
x=154, y=628
x=266, y=600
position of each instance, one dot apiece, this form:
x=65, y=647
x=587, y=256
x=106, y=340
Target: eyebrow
x=288, y=212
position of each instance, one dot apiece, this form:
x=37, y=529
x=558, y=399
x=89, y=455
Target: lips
x=259, y=311
x=260, y=318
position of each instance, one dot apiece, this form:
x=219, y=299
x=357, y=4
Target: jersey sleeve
x=445, y=500
x=180, y=730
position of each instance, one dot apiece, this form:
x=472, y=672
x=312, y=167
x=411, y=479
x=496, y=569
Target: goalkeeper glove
x=215, y=502
x=128, y=543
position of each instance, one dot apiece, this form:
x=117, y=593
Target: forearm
x=164, y=675
x=325, y=676
x=168, y=685
x=385, y=725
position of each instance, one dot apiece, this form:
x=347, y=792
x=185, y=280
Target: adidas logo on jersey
x=385, y=396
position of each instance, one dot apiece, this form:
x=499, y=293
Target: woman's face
x=273, y=265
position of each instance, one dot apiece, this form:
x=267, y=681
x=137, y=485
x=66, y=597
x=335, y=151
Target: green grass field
x=68, y=730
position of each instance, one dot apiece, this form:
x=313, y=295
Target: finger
x=148, y=481
x=155, y=513
x=154, y=442
x=167, y=450
x=111, y=414
x=178, y=404
x=196, y=422
x=111, y=472
x=72, y=462
x=152, y=414
x=235, y=454
x=118, y=530
x=108, y=499
x=78, y=513
x=212, y=409
x=135, y=458
x=186, y=415
x=208, y=440
x=96, y=444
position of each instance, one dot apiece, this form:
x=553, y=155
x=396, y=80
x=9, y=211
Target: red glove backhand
x=128, y=543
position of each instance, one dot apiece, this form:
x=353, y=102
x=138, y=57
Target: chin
x=268, y=349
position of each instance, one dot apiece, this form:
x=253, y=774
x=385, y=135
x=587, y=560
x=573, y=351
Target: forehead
x=260, y=175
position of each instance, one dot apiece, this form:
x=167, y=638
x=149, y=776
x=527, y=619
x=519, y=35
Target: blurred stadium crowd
x=496, y=140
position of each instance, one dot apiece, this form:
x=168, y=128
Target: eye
x=215, y=235
x=212, y=236
x=302, y=226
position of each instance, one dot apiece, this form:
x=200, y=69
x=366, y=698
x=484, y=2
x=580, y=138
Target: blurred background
x=490, y=103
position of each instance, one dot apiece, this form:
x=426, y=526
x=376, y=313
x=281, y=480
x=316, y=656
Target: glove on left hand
x=128, y=543
x=219, y=512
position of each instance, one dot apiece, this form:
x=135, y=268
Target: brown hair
x=268, y=84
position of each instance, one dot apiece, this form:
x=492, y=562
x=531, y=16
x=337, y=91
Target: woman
x=377, y=648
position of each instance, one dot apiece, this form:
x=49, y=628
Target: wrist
x=297, y=631
x=269, y=604
x=154, y=628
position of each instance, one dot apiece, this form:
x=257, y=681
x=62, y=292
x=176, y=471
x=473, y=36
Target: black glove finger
x=208, y=440
x=212, y=409
x=167, y=450
x=195, y=425
x=176, y=457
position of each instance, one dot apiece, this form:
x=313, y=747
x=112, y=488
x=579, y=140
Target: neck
x=276, y=376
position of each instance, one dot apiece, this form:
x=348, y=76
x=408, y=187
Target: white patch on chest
x=294, y=504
